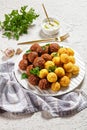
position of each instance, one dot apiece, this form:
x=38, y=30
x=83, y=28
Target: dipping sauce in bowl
x=50, y=28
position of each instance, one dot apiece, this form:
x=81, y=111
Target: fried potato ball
x=68, y=67
x=53, y=47
x=69, y=74
x=52, y=77
x=60, y=72
x=64, y=81
x=49, y=64
x=75, y=70
x=56, y=61
x=43, y=73
x=70, y=51
x=72, y=59
x=63, y=51
x=64, y=58
x=55, y=86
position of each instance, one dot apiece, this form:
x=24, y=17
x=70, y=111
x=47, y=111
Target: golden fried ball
x=52, y=77
x=68, y=67
x=64, y=81
x=75, y=70
x=64, y=58
x=55, y=86
x=69, y=74
x=59, y=71
x=70, y=51
x=43, y=73
x=56, y=60
x=72, y=59
x=63, y=51
x=49, y=64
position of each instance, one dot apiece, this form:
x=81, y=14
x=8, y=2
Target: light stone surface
x=74, y=14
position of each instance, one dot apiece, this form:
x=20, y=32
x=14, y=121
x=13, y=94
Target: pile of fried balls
x=49, y=66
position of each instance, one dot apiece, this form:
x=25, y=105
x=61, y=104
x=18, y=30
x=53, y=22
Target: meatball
x=39, y=62
x=25, y=56
x=42, y=50
x=46, y=57
x=28, y=70
x=54, y=47
x=33, y=79
x=23, y=64
x=34, y=47
x=32, y=56
x=45, y=49
x=44, y=84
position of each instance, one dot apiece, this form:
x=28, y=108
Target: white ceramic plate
x=75, y=82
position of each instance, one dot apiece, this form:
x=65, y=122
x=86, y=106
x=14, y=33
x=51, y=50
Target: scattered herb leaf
x=17, y=23
x=28, y=51
x=55, y=54
x=35, y=71
x=47, y=44
x=44, y=47
x=24, y=76
x=51, y=68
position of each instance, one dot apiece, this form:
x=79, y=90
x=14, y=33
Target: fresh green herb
x=28, y=51
x=24, y=76
x=17, y=23
x=47, y=44
x=55, y=54
x=35, y=71
x=51, y=68
x=43, y=47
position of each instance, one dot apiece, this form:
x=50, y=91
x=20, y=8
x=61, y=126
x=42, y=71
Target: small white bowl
x=50, y=29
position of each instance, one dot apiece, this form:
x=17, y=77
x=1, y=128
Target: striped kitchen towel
x=17, y=100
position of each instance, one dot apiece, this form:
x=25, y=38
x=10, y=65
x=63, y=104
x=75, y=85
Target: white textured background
x=74, y=14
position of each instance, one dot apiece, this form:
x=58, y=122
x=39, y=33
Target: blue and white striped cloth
x=17, y=100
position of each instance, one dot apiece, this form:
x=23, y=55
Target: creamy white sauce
x=52, y=26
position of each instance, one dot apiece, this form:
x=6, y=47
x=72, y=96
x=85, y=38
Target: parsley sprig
x=17, y=23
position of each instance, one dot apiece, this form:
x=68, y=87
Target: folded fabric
x=17, y=100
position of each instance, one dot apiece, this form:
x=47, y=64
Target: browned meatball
x=54, y=47
x=39, y=62
x=23, y=64
x=32, y=56
x=34, y=80
x=25, y=56
x=45, y=49
x=28, y=70
x=44, y=84
x=46, y=57
x=34, y=47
